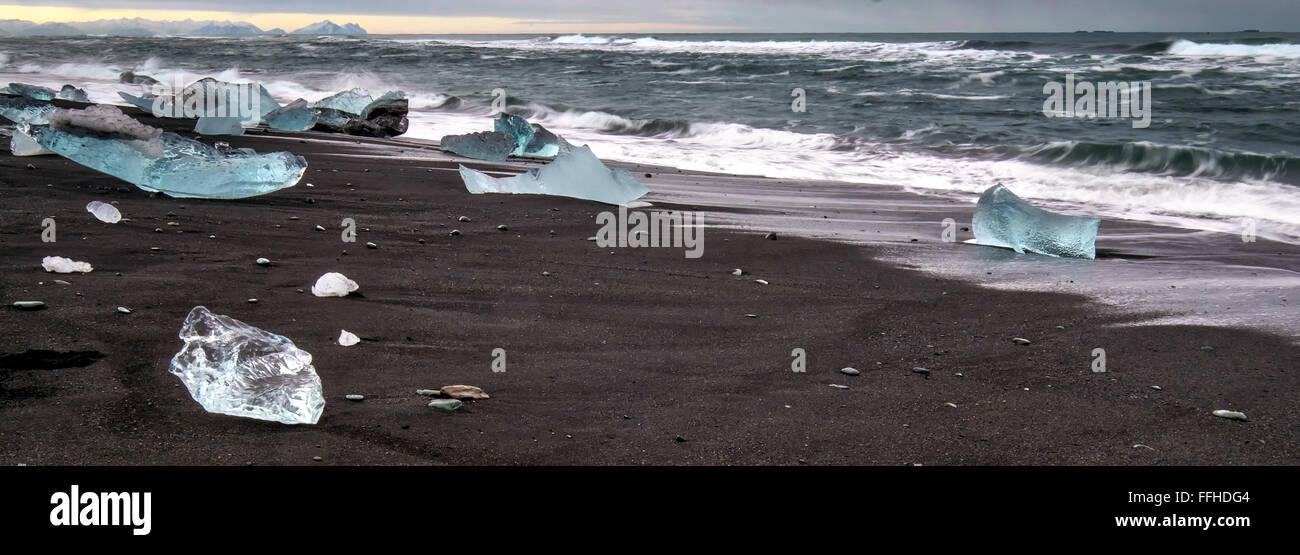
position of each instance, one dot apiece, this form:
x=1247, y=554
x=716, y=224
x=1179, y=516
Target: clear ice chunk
x=104, y=139
x=61, y=265
x=294, y=116
x=233, y=368
x=348, y=339
x=352, y=101
x=1003, y=219
x=69, y=92
x=544, y=144
x=104, y=212
x=333, y=284
x=20, y=109
x=219, y=126
x=484, y=145
x=209, y=97
x=22, y=145
x=31, y=91
x=576, y=173
x=517, y=128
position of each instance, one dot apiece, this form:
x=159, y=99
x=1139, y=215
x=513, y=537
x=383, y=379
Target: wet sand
x=618, y=356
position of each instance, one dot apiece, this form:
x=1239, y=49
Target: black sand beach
x=618, y=356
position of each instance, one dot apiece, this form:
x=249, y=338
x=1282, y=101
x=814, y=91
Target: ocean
x=940, y=114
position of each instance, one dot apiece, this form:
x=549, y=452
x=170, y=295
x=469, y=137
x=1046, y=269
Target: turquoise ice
x=106, y=140
x=294, y=116
x=19, y=109
x=1003, y=219
x=576, y=173
x=484, y=145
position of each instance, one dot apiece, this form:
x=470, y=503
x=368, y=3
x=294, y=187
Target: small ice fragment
x=22, y=145
x=29, y=305
x=484, y=145
x=333, y=284
x=233, y=368
x=577, y=174
x=1003, y=219
x=263, y=262
x=104, y=212
x=761, y=281
x=61, y=265
x=348, y=339
x=737, y=272
x=219, y=126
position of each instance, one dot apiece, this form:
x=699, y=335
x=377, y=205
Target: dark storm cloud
x=806, y=15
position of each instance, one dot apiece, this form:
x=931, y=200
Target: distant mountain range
x=147, y=27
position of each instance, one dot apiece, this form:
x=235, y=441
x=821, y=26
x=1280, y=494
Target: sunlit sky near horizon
x=639, y=16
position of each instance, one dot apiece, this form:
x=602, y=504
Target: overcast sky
x=668, y=15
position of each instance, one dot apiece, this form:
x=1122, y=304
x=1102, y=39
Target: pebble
x=850, y=371
x=61, y=282
x=951, y=405
x=317, y=458
x=29, y=305
x=320, y=228
x=355, y=397
x=920, y=370
x=751, y=316
x=1156, y=387
x=502, y=227
x=155, y=248
x=123, y=310
x=838, y=386
x=761, y=281
x=770, y=236
x=1230, y=415
x=371, y=245
x=455, y=232
x=463, y=219
x=546, y=273
x=592, y=238
x=263, y=262
x=737, y=272
x=252, y=301
x=1020, y=341
x=429, y=392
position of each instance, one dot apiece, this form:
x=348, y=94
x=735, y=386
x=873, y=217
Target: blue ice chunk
x=353, y=101
x=1003, y=219
x=31, y=91
x=294, y=116
x=484, y=145
x=519, y=130
x=209, y=97
x=219, y=126
x=69, y=92
x=576, y=173
x=19, y=109
x=544, y=144
x=104, y=139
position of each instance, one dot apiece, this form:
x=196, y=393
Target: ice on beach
x=61, y=265
x=104, y=212
x=294, y=116
x=1003, y=219
x=69, y=92
x=530, y=139
x=104, y=139
x=22, y=145
x=348, y=339
x=219, y=126
x=132, y=78
x=356, y=113
x=233, y=368
x=333, y=284
x=20, y=109
x=31, y=91
x=484, y=145
x=577, y=173
x=248, y=101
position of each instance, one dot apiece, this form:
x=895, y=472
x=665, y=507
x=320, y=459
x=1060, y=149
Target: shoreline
x=619, y=356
